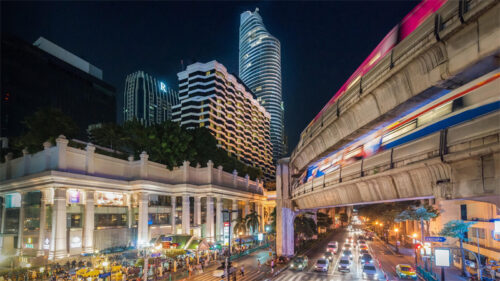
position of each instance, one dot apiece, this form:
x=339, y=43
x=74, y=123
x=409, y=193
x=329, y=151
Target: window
x=74, y=221
x=476, y=231
x=463, y=212
x=110, y=220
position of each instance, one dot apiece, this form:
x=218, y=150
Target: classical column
x=197, y=210
x=234, y=215
x=173, y=214
x=185, y=215
x=130, y=211
x=210, y=219
x=88, y=228
x=260, y=211
x=218, y=219
x=43, y=216
x=247, y=209
x=20, y=236
x=142, y=225
x=58, y=247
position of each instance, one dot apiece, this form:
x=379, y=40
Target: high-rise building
x=146, y=99
x=211, y=97
x=42, y=75
x=260, y=70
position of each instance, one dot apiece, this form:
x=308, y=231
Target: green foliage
x=324, y=220
x=252, y=221
x=45, y=125
x=239, y=226
x=305, y=226
x=426, y=213
x=273, y=220
x=386, y=213
x=170, y=144
x=456, y=229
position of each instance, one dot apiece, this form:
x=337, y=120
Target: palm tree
x=239, y=226
x=273, y=220
x=457, y=229
x=252, y=222
x=421, y=214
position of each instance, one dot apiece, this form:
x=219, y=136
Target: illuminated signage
x=260, y=237
x=73, y=196
x=76, y=242
x=13, y=200
x=226, y=233
x=443, y=257
x=163, y=87
x=497, y=226
x=109, y=198
x=46, y=244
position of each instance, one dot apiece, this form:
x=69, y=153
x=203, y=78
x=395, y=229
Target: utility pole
x=228, y=258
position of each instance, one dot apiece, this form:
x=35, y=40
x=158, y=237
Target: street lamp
x=397, y=239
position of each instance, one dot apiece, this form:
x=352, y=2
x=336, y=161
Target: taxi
x=406, y=271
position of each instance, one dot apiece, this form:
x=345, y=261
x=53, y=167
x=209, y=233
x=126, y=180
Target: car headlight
x=291, y=265
x=300, y=266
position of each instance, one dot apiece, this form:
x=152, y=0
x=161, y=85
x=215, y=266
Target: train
x=410, y=22
x=445, y=110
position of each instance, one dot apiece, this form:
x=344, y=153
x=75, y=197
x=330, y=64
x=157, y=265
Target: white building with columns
x=65, y=201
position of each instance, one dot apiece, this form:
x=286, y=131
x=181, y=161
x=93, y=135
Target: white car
x=332, y=247
x=345, y=264
x=370, y=272
x=322, y=265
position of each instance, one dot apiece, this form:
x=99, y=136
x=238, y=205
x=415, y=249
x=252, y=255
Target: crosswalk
x=250, y=275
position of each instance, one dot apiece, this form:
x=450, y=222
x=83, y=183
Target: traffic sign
x=435, y=239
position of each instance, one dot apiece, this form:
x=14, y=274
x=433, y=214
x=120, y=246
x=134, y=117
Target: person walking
x=272, y=266
x=242, y=270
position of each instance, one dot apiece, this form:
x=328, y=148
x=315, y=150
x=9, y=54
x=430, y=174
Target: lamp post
x=414, y=235
x=228, y=258
x=397, y=239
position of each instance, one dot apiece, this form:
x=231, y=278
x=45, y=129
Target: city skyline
x=307, y=68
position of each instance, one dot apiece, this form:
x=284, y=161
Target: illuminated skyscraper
x=260, y=70
x=148, y=100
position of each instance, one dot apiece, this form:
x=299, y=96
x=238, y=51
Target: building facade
x=211, y=97
x=44, y=75
x=148, y=100
x=260, y=70
x=66, y=201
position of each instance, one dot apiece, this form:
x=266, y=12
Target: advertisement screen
x=73, y=196
x=442, y=257
x=109, y=198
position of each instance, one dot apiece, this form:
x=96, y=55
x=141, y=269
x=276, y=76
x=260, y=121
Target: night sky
x=322, y=43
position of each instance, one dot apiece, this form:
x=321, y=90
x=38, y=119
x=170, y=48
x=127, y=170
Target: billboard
x=443, y=257
x=109, y=198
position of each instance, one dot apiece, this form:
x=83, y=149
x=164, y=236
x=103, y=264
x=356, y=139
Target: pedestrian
x=272, y=266
x=242, y=269
x=258, y=265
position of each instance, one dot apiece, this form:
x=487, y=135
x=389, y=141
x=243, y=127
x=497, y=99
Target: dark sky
x=322, y=43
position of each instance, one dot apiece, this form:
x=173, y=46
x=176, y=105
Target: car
x=347, y=253
x=332, y=247
x=361, y=242
x=349, y=240
x=347, y=246
x=300, y=263
x=405, y=271
x=363, y=251
x=344, y=264
x=370, y=272
x=366, y=258
x=363, y=247
x=328, y=256
x=322, y=265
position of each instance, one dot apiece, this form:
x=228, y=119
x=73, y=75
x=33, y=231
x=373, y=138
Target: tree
x=252, y=222
x=344, y=218
x=239, y=226
x=45, y=125
x=109, y=135
x=273, y=220
x=324, y=220
x=305, y=226
x=421, y=214
x=457, y=229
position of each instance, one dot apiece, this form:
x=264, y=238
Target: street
x=385, y=260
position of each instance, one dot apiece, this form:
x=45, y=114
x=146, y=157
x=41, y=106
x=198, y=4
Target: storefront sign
x=29, y=244
x=46, y=244
x=109, y=198
x=76, y=242
x=226, y=233
x=443, y=257
x=73, y=196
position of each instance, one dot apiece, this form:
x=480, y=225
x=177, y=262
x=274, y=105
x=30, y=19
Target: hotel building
x=146, y=99
x=211, y=97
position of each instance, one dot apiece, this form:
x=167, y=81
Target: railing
x=248, y=252
x=427, y=276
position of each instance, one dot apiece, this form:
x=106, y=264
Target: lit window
x=207, y=73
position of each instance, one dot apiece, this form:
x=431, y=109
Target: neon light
x=163, y=87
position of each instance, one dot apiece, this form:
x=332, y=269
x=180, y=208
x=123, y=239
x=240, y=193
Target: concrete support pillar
x=130, y=211
x=284, y=213
x=210, y=219
x=58, y=246
x=186, y=228
x=234, y=215
x=218, y=219
x=88, y=228
x=142, y=224
x=2, y=225
x=43, y=216
x=197, y=210
x=20, y=236
x=173, y=214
